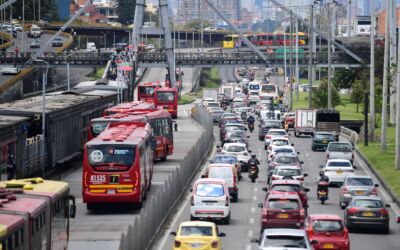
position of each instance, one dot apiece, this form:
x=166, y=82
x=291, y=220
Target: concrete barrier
x=145, y=228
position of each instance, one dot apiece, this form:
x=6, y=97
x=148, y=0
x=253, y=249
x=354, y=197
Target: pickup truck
x=340, y=150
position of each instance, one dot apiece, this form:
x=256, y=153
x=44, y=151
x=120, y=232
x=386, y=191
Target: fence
x=196, y=79
x=351, y=135
x=145, y=227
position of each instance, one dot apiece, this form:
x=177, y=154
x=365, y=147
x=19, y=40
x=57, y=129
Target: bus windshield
x=228, y=38
x=105, y=154
x=146, y=90
x=165, y=96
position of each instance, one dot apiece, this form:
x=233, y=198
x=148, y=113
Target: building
x=102, y=11
x=381, y=21
x=63, y=9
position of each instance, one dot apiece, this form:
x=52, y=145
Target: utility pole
x=310, y=55
x=349, y=18
x=291, y=61
x=329, y=59
x=397, y=146
x=372, y=76
x=385, y=76
x=297, y=60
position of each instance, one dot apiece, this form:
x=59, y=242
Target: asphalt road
x=246, y=216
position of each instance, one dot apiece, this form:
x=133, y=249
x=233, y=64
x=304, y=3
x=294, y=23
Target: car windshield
x=224, y=173
x=327, y=226
x=283, y=204
x=210, y=190
x=233, y=148
x=286, y=188
x=368, y=203
x=279, y=142
x=225, y=159
x=287, y=172
x=345, y=164
x=276, y=133
x=339, y=147
x=359, y=182
x=196, y=230
x=286, y=160
x=104, y=154
x=285, y=241
x=325, y=137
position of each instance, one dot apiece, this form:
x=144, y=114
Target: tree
x=31, y=12
x=266, y=26
x=320, y=95
x=126, y=11
x=357, y=93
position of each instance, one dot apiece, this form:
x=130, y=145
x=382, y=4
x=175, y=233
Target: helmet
x=321, y=173
x=253, y=156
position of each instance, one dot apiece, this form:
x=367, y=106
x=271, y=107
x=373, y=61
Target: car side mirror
x=292, y=144
x=221, y=234
x=264, y=189
x=301, y=162
x=254, y=240
x=172, y=233
x=260, y=205
x=387, y=205
x=306, y=190
x=313, y=242
x=305, y=174
x=376, y=185
x=342, y=205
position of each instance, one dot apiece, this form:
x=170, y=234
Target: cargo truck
x=304, y=122
x=328, y=120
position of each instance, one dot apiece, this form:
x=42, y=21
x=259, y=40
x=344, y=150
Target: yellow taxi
x=199, y=235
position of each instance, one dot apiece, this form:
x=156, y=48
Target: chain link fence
x=145, y=227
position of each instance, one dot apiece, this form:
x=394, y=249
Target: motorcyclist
x=251, y=119
x=219, y=149
x=254, y=161
x=322, y=178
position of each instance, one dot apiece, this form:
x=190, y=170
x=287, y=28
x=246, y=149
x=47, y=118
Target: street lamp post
x=44, y=84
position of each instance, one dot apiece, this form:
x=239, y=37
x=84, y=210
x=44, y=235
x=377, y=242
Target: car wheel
x=192, y=218
x=235, y=197
x=265, y=147
x=313, y=148
x=295, y=134
x=386, y=230
x=89, y=206
x=227, y=220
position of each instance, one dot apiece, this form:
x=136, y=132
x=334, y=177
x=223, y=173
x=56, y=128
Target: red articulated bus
x=167, y=98
x=146, y=90
x=160, y=122
x=135, y=106
x=118, y=165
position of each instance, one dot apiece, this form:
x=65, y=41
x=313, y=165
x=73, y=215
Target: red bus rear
x=118, y=165
x=135, y=106
x=146, y=91
x=167, y=98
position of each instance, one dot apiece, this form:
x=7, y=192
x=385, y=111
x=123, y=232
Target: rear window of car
x=327, y=226
x=281, y=241
x=225, y=159
x=339, y=164
x=324, y=137
x=196, y=230
x=339, y=147
x=276, y=133
x=283, y=204
x=286, y=160
x=220, y=173
x=368, y=203
x=280, y=142
x=287, y=172
x=359, y=182
x=286, y=188
x=235, y=148
x=210, y=190
x=284, y=150
x=272, y=124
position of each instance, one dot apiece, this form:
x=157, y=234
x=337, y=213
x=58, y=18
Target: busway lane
x=362, y=239
x=102, y=229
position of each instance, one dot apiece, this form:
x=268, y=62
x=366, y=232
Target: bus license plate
x=114, y=179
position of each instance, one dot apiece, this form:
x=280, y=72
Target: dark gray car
x=355, y=185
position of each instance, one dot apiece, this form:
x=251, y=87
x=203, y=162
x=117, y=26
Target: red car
x=289, y=119
x=282, y=211
x=328, y=230
x=289, y=187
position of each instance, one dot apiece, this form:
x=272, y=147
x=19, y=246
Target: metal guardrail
x=196, y=79
x=351, y=135
x=144, y=228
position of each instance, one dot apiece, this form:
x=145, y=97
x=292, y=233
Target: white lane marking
x=250, y=233
x=184, y=111
x=248, y=247
x=307, y=154
x=255, y=189
x=254, y=198
x=251, y=220
x=253, y=209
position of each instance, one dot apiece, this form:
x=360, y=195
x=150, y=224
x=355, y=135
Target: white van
x=269, y=90
x=91, y=47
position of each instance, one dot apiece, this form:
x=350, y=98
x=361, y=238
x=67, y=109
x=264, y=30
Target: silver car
x=356, y=185
x=282, y=238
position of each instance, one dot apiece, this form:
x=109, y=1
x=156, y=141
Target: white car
x=150, y=46
x=210, y=200
x=288, y=173
x=337, y=170
x=278, y=142
x=10, y=70
x=212, y=105
x=241, y=152
x=274, y=134
x=281, y=149
x=17, y=27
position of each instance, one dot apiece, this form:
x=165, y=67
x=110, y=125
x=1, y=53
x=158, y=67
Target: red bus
x=135, y=106
x=167, y=98
x=160, y=122
x=146, y=90
x=118, y=165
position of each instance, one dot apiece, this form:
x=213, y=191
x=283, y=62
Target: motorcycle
x=253, y=175
x=322, y=191
x=251, y=127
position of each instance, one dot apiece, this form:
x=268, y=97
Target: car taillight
x=268, y=137
x=177, y=243
x=214, y=244
x=345, y=190
x=226, y=201
x=374, y=191
x=265, y=212
x=310, y=233
x=345, y=233
x=302, y=213
x=383, y=211
x=300, y=178
x=270, y=148
x=274, y=178
x=352, y=210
